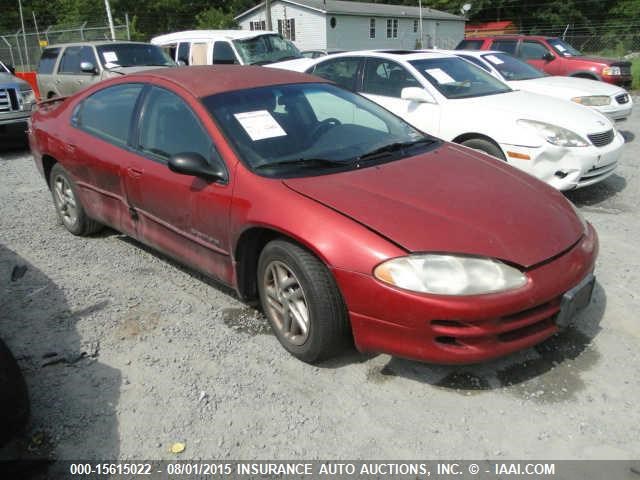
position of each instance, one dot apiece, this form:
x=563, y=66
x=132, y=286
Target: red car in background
x=555, y=57
x=342, y=219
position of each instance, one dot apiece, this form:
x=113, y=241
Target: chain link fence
x=610, y=41
x=23, y=50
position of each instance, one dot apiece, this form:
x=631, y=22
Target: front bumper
x=463, y=330
x=617, y=111
x=568, y=168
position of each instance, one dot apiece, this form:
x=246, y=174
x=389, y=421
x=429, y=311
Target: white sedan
x=613, y=101
x=564, y=144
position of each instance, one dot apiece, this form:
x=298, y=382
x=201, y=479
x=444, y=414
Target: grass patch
x=635, y=71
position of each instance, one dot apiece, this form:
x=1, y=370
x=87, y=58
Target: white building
x=343, y=25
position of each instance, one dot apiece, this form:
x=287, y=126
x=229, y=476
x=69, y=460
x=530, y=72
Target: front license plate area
x=575, y=300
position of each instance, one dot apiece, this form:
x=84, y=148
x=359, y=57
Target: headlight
x=28, y=97
x=611, y=71
x=593, y=101
x=449, y=274
x=554, y=134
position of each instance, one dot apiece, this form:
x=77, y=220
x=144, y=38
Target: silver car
x=16, y=99
x=66, y=68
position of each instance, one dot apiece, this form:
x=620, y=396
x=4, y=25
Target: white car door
x=383, y=83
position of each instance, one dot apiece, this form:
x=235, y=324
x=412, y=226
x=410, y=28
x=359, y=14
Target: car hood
x=455, y=200
x=566, y=87
x=603, y=60
x=7, y=79
x=542, y=108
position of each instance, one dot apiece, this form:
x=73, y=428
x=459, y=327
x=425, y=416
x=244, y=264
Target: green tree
x=214, y=18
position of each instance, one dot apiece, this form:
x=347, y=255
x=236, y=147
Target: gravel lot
x=125, y=352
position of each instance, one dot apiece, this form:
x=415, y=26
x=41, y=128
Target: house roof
x=342, y=7
x=491, y=26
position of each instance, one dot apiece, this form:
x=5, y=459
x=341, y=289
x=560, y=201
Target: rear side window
x=183, y=52
x=48, y=60
x=343, y=71
x=508, y=46
x=470, y=45
x=108, y=113
x=170, y=50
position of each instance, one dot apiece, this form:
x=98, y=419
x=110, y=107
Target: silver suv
x=16, y=98
x=66, y=68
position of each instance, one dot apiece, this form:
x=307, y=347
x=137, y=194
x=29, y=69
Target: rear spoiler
x=51, y=100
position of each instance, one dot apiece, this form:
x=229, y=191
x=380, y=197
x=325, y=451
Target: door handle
x=134, y=173
x=69, y=148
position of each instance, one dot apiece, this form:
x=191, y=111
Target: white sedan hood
x=512, y=106
x=566, y=87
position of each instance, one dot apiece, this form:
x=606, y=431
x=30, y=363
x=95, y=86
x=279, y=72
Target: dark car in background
x=555, y=57
x=66, y=68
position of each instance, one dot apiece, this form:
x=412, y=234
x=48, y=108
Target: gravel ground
x=125, y=352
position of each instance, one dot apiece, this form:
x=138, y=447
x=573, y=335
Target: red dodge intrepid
x=344, y=221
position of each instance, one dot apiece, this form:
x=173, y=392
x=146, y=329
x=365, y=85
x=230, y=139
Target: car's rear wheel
x=68, y=206
x=484, y=146
x=302, y=301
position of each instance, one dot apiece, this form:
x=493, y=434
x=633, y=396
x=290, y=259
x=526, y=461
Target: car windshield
x=133, y=55
x=264, y=49
x=511, y=68
x=311, y=129
x=457, y=78
x=563, y=48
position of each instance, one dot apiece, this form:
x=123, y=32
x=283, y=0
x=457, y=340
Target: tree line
x=151, y=17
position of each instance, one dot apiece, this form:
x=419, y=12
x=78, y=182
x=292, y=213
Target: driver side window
x=169, y=126
x=532, y=51
x=382, y=77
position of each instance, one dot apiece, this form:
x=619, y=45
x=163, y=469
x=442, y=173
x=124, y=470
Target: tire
x=67, y=203
x=14, y=399
x=484, y=146
x=305, y=288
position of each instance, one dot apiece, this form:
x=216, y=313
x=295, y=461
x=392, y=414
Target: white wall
x=352, y=33
x=310, y=25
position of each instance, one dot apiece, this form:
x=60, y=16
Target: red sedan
x=343, y=220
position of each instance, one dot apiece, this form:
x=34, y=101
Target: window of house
x=287, y=28
x=108, y=113
x=258, y=25
x=392, y=28
x=415, y=26
x=372, y=28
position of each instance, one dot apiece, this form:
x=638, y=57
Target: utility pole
x=24, y=35
x=35, y=24
x=267, y=11
x=110, y=19
x=421, y=32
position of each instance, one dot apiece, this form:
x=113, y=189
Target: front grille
x=601, y=139
x=622, y=98
x=5, y=101
x=625, y=70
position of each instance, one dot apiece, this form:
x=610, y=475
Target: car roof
x=205, y=80
x=95, y=43
x=514, y=36
x=407, y=55
x=210, y=34
x=474, y=53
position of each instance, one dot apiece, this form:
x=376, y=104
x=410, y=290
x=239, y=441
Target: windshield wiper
x=303, y=162
x=393, y=148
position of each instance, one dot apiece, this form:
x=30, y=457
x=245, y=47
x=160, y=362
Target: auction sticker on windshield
x=110, y=56
x=260, y=125
x=440, y=75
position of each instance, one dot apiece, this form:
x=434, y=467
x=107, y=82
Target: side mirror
x=88, y=67
x=194, y=164
x=547, y=57
x=416, y=94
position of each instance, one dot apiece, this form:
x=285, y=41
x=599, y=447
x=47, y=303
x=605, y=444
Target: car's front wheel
x=484, y=146
x=68, y=206
x=300, y=298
